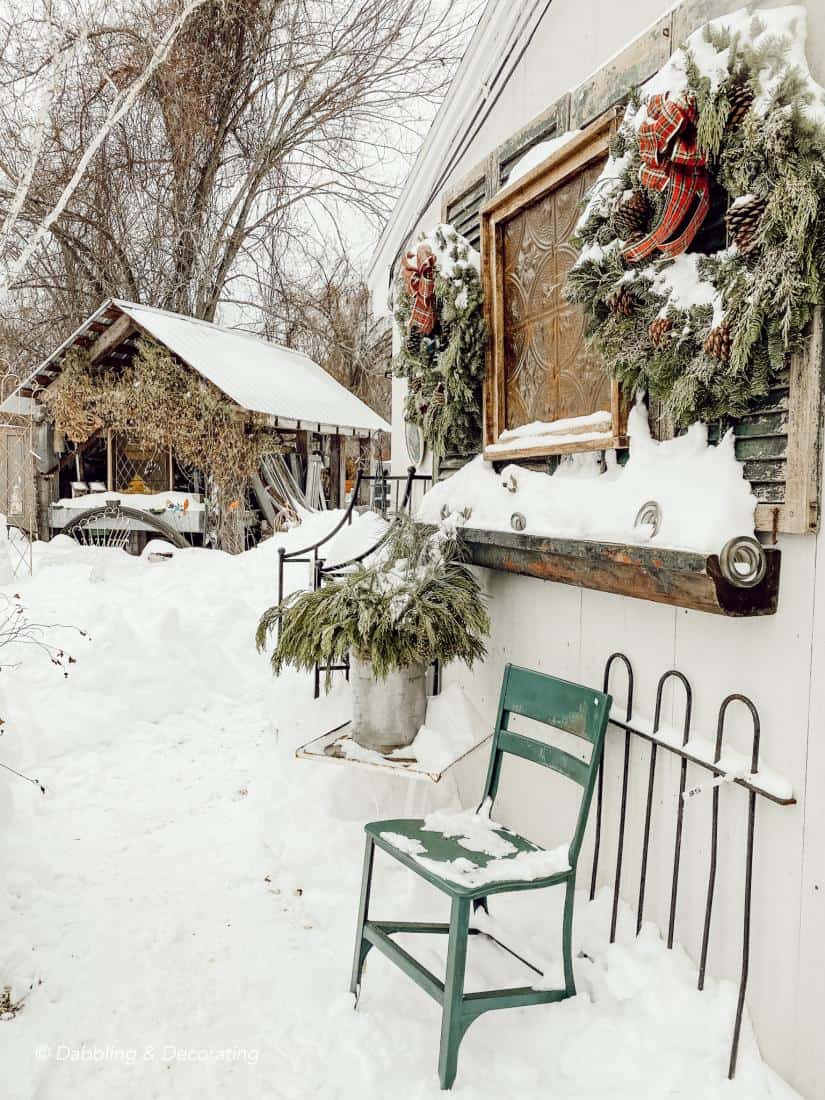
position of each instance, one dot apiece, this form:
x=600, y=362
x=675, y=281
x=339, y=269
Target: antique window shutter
x=778, y=443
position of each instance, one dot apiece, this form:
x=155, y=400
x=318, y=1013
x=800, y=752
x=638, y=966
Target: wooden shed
x=311, y=425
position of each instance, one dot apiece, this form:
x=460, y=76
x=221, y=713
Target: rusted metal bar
x=700, y=762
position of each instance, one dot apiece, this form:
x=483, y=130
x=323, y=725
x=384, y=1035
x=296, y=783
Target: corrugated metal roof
x=260, y=376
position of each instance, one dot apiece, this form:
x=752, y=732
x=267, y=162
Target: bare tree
x=327, y=314
x=267, y=119
x=47, y=52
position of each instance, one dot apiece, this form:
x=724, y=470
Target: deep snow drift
x=177, y=912
x=704, y=498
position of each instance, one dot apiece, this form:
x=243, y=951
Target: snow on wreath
x=702, y=243
x=439, y=314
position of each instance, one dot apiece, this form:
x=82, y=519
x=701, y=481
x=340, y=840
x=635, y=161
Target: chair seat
x=454, y=863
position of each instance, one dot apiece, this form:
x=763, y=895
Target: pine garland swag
x=736, y=314
x=444, y=368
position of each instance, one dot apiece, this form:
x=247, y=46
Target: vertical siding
x=776, y=660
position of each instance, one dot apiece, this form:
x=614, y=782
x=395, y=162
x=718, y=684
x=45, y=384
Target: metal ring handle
x=743, y=562
x=650, y=514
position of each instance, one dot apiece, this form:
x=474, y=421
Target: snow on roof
x=258, y=375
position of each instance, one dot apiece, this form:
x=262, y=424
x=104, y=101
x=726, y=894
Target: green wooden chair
x=570, y=707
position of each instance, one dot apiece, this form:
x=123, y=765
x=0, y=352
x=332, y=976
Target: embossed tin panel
x=548, y=371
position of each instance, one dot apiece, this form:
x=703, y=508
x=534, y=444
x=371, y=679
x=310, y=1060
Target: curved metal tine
x=325, y=538
x=720, y=730
x=680, y=813
x=651, y=780
x=746, y=915
x=316, y=584
x=600, y=775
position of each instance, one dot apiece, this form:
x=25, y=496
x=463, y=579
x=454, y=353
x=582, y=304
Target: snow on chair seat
x=470, y=854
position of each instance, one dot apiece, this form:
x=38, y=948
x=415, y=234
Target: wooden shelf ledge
x=681, y=578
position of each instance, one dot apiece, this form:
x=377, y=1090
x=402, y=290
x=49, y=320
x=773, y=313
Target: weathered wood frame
x=679, y=578
x=591, y=144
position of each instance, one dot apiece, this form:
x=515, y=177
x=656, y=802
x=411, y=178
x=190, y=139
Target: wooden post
x=336, y=482
x=302, y=450
x=110, y=476
x=365, y=464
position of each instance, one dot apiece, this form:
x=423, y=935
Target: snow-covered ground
x=177, y=911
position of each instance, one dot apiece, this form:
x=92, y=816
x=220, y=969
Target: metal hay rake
x=687, y=757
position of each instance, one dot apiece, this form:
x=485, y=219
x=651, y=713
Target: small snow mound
x=159, y=550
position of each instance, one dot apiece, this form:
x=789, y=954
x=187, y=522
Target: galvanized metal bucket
x=388, y=713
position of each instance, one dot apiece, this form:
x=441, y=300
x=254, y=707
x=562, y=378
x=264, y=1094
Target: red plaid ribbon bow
x=672, y=162
x=419, y=278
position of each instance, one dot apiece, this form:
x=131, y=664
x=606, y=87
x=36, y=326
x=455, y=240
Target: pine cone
x=622, y=301
x=632, y=216
x=412, y=341
x=741, y=98
x=659, y=331
x=718, y=341
x=415, y=383
x=743, y=220
x=439, y=396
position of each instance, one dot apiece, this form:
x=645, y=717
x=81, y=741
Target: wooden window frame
x=591, y=144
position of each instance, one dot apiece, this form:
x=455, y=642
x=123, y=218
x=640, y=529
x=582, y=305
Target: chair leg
x=362, y=946
x=452, y=1024
x=567, y=938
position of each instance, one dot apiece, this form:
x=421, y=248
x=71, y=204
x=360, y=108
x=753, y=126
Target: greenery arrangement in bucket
x=414, y=602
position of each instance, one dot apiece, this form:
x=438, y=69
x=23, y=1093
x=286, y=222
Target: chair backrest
x=562, y=705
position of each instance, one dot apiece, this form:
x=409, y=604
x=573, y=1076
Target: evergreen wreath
x=708, y=327
x=443, y=336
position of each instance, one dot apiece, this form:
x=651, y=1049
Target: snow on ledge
x=538, y=154
x=701, y=490
x=554, y=433
x=144, y=502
